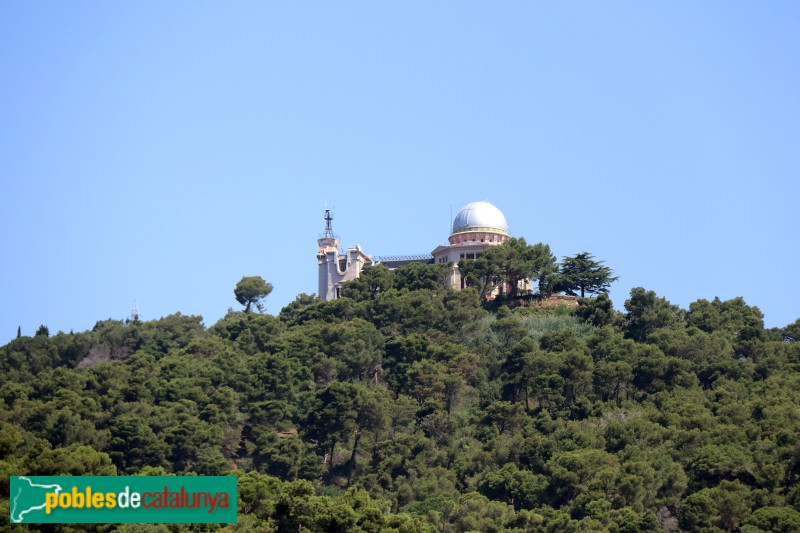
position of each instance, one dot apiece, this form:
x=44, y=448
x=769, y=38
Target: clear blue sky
x=159, y=151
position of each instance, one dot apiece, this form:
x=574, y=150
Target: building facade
x=477, y=226
x=334, y=268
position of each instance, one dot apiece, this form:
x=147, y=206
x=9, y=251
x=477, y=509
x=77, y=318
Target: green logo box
x=123, y=499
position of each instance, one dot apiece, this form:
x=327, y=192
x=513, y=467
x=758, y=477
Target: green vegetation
x=408, y=407
x=511, y=262
x=250, y=291
x=585, y=274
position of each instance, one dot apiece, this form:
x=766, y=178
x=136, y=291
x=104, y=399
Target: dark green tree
x=417, y=276
x=43, y=331
x=585, y=274
x=481, y=273
x=251, y=290
x=647, y=313
x=373, y=281
x=734, y=318
x=791, y=333
x=778, y=519
x=520, y=488
x=511, y=262
x=343, y=411
x=599, y=311
x=295, y=308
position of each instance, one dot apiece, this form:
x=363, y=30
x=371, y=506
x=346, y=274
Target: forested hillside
x=408, y=407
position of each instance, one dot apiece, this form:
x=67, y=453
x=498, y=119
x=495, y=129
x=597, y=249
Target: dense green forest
x=408, y=407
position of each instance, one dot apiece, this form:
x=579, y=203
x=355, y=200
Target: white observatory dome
x=480, y=217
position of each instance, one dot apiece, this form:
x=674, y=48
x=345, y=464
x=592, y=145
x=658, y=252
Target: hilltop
x=405, y=406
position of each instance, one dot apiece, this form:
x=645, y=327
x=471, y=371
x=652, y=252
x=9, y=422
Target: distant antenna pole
x=328, y=224
x=135, y=312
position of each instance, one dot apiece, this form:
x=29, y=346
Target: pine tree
x=585, y=274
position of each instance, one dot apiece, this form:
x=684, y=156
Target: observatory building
x=477, y=226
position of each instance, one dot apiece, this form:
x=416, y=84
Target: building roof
x=480, y=216
x=402, y=260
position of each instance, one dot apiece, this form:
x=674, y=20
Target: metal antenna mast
x=328, y=223
x=450, y=224
x=329, y=234
x=135, y=312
